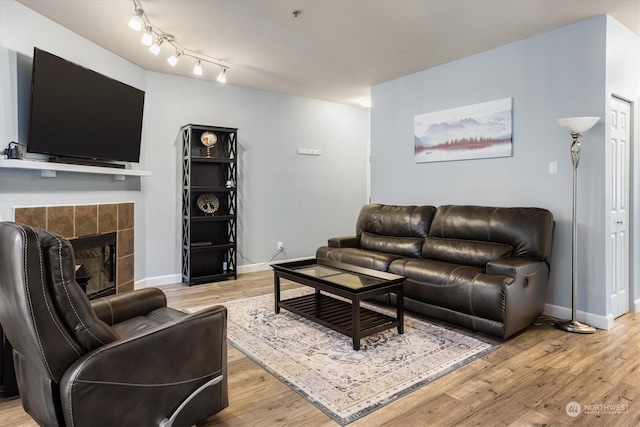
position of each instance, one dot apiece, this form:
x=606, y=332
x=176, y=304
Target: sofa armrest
x=516, y=266
x=117, y=308
x=149, y=375
x=344, y=242
x=524, y=298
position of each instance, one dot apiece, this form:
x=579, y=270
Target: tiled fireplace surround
x=85, y=220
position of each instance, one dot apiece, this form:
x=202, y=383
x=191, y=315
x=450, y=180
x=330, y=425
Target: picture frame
x=477, y=131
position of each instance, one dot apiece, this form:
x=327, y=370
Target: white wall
x=556, y=74
x=299, y=200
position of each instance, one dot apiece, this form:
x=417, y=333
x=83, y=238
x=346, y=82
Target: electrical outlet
x=280, y=246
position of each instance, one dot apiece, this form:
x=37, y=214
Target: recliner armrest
x=173, y=360
x=344, y=242
x=117, y=308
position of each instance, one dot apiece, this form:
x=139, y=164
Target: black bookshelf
x=209, y=203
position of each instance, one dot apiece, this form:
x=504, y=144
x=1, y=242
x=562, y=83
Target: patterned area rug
x=322, y=366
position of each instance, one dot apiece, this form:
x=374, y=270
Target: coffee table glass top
x=346, y=276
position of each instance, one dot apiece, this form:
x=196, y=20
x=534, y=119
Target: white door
x=620, y=140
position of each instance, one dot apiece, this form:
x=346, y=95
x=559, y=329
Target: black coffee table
x=348, y=281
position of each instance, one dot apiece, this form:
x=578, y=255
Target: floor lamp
x=576, y=126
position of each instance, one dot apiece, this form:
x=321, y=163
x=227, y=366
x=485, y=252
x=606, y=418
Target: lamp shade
x=136, y=23
x=577, y=124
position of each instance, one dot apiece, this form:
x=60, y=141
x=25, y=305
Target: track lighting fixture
x=139, y=21
x=197, y=69
x=173, y=59
x=222, y=77
x=136, y=22
x=147, y=37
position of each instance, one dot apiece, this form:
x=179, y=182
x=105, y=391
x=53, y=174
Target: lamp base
x=574, y=326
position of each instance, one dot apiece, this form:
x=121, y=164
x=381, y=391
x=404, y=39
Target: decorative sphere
x=208, y=139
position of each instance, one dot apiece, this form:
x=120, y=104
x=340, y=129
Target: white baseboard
x=158, y=281
x=252, y=268
x=600, y=322
x=177, y=278
x=636, y=306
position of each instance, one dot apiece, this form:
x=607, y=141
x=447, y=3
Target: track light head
x=147, y=37
x=197, y=69
x=173, y=59
x=136, y=23
x=155, y=48
x=222, y=77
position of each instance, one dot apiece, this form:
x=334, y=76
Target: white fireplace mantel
x=49, y=169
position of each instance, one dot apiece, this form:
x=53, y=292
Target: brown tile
x=125, y=216
x=60, y=220
x=125, y=242
x=36, y=217
x=125, y=269
x=86, y=220
x=127, y=287
x=107, y=218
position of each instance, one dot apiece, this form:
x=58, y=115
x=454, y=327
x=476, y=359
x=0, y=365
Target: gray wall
x=553, y=75
x=299, y=200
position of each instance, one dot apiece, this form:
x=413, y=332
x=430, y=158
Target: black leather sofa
x=483, y=268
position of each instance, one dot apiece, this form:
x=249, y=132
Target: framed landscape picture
x=476, y=131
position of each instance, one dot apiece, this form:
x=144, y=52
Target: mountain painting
x=478, y=131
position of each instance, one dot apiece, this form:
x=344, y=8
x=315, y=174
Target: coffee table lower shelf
x=337, y=315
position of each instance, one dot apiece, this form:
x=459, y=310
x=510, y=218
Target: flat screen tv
x=79, y=113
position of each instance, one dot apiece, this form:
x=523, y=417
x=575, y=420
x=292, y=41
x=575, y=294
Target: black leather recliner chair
x=125, y=360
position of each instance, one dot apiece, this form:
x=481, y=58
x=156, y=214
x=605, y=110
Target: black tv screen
x=77, y=112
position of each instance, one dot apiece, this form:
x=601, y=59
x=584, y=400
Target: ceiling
x=335, y=50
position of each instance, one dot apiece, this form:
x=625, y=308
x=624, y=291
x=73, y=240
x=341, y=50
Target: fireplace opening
x=96, y=263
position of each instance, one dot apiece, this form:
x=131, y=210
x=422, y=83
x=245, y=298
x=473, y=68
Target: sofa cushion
x=396, y=221
x=432, y=271
x=361, y=257
x=405, y=246
x=464, y=252
x=153, y=319
x=462, y=288
x=528, y=230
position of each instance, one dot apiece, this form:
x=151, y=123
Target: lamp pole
x=575, y=159
x=569, y=124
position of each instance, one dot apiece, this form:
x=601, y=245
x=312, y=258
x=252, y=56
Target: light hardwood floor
x=528, y=381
